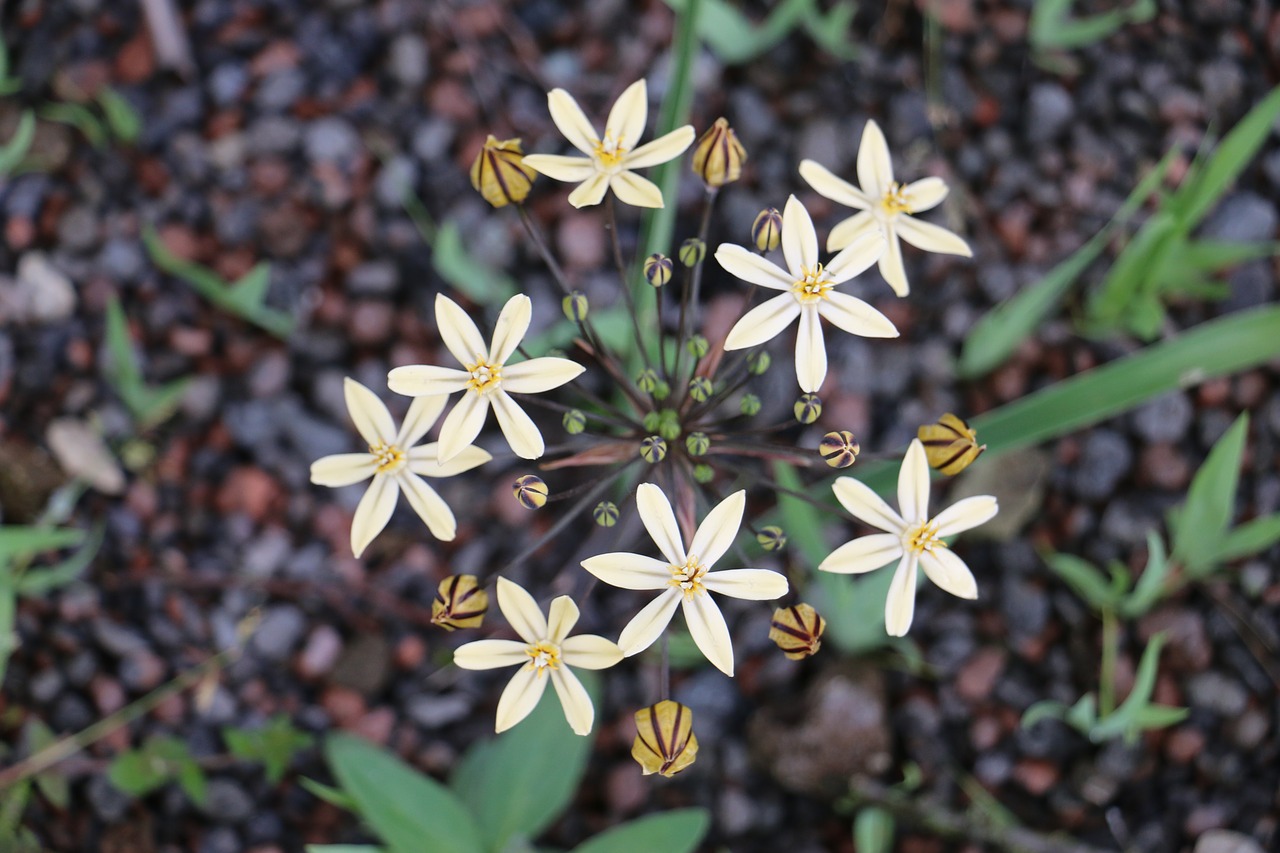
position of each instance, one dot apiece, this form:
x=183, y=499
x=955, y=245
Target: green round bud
x=574, y=421
x=663, y=391
x=697, y=346
x=647, y=381
x=698, y=443
x=700, y=388
x=750, y=405
x=758, y=362
x=692, y=251
x=766, y=231
x=808, y=408
x=651, y=421
x=657, y=269
x=703, y=473
x=530, y=491
x=653, y=449
x=605, y=513
x=772, y=538
x=575, y=306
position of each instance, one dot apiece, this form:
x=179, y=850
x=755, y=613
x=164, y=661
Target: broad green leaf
x=1252, y=537
x=1119, y=295
x=122, y=118
x=192, y=781
x=138, y=773
x=51, y=783
x=1159, y=716
x=873, y=831
x=1208, y=256
x=677, y=831
x=1085, y=579
x=250, y=291
x=17, y=541
x=1084, y=713
x=13, y=151
x=1150, y=587
x=409, y=811
x=37, y=582
x=1053, y=27
x=481, y=284
x=1124, y=720
x=274, y=745
x=1201, y=528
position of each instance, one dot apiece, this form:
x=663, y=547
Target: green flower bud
x=574, y=422
x=700, y=388
x=647, y=381
x=766, y=231
x=653, y=449
x=750, y=405
x=772, y=538
x=698, y=443
x=808, y=408
x=758, y=362
x=657, y=269
x=703, y=473
x=692, y=251
x=575, y=306
x=697, y=346
x=605, y=513
x=651, y=421
x=663, y=391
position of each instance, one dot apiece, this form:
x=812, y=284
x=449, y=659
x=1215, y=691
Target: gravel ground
x=292, y=140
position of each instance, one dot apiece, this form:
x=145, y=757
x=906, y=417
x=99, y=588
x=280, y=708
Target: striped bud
x=951, y=445
x=698, y=443
x=697, y=346
x=718, y=155
x=700, y=388
x=758, y=362
x=772, y=538
x=665, y=742
x=575, y=306
x=663, y=391
x=574, y=421
x=703, y=473
x=653, y=449
x=692, y=251
x=797, y=630
x=530, y=491
x=766, y=231
x=840, y=449
x=657, y=269
x=460, y=603
x=647, y=381
x=750, y=405
x=499, y=173
x=605, y=513
x=808, y=408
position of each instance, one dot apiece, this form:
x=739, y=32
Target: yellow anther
x=689, y=576
x=390, y=458
x=543, y=656
x=609, y=151
x=813, y=286
x=895, y=199
x=484, y=377
x=923, y=537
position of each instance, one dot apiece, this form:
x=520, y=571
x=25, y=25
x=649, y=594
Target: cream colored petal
x=709, y=631
x=571, y=121
x=561, y=617
x=591, y=191
x=572, y=169
x=748, y=584
x=539, y=374
x=763, y=323
x=462, y=425
x=667, y=147
x=370, y=415
x=799, y=240
x=913, y=484
x=865, y=505
x=925, y=194
x=491, y=654
x=848, y=230
x=900, y=606
x=930, y=237
x=427, y=380
x=521, y=611
x=826, y=184
x=660, y=520
x=949, y=573
x=422, y=416
x=864, y=554
x=373, y=512
x=518, y=428
x=717, y=531
x=649, y=623
x=589, y=651
x=574, y=700
x=856, y=317
x=628, y=115
x=811, y=351
x=875, y=169
x=424, y=460
x=891, y=266
x=459, y=333
x=512, y=325
x=343, y=469
x=636, y=191
x=520, y=697
x=857, y=257
x=966, y=514
x=429, y=506
x=750, y=267
x=629, y=571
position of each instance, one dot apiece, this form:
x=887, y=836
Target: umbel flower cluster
x=667, y=416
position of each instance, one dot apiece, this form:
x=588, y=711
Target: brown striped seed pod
x=772, y=538
x=530, y=491
x=840, y=449
x=657, y=269
x=460, y=603
x=797, y=630
x=665, y=742
x=605, y=513
x=499, y=173
x=951, y=445
x=718, y=155
x=766, y=231
x=808, y=408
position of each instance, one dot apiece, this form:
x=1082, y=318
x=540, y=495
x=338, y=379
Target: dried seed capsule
x=647, y=381
x=808, y=408
x=460, y=603
x=951, y=445
x=653, y=449
x=530, y=491
x=797, y=630
x=758, y=362
x=700, y=388
x=605, y=513
x=665, y=742
x=840, y=449
x=657, y=269
x=703, y=473
x=575, y=306
x=698, y=443
x=750, y=405
x=697, y=346
x=692, y=251
x=772, y=538
x=766, y=231
x=499, y=173
x=718, y=155
x=574, y=421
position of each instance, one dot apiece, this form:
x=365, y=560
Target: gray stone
x=40, y=293
x=373, y=278
x=1218, y=693
x=1242, y=217
x=395, y=180
x=407, y=59
x=1226, y=841
x=331, y=139
x=116, y=638
x=1049, y=112
x=1105, y=459
x=431, y=139
x=270, y=374
x=265, y=554
x=281, y=90
x=220, y=839
x=226, y=801
x=122, y=260
x=281, y=628
x=434, y=711
x=272, y=135
x=226, y=83
x=78, y=229
x=1165, y=419
x=109, y=803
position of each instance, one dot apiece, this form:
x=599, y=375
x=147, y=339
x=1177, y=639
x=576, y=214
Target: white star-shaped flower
x=487, y=378
x=912, y=538
x=395, y=465
x=611, y=157
x=885, y=205
x=809, y=293
x=685, y=577
x=545, y=654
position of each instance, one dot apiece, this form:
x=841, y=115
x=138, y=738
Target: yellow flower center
x=895, y=199
x=390, y=458
x=813, y=287
x=922, y=537
x=543, y=656
x=609, y=151
x=689, y=576
x=484, y=377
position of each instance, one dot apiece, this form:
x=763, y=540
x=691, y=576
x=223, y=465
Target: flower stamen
x=484, y=377
x=895, y=199
x=609, y=151
x=543, y=656
x=688, y=577
x=390, y=458
x=921, y=538
x=813, y=287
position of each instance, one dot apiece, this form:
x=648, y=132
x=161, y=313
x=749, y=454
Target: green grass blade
x=1201, y=527
x=13, y=151
x=1250, y=538
x=1130, y=276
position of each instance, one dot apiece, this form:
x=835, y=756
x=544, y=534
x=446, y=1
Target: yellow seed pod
x=692, y=251
x=808, y=408
x=840, y=449
x=605, y=513
x=772, y=538
x=766, y=231
x=797, y=630
x=718, y=155
x=657, y=269
x=499, y=173
x=530, y=491
x=654, y=449
x=951, y=445
x=665, y=742
x=460, y=603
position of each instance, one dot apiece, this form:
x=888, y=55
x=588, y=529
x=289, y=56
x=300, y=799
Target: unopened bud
x=797, y=630
x=700, y=388
x=749, y=405
x=840, y=449
x=758, y=362
x=692, y=251
x=950, y=445
x=575, y=306
x=530, y=491
x=647, y=381
x=499, y=173
x=718, y=155
x=574, y=421
x=808, y=408
x=657, y=269
x=703, y=473
x=698, y=443
x=653, y=449
x=772, y=538
x=460, y=603
x=766, y=231
x=605, y=513
x=665, y=742
x=697, y=346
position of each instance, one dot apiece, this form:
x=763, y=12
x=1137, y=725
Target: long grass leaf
x=1201, y=525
